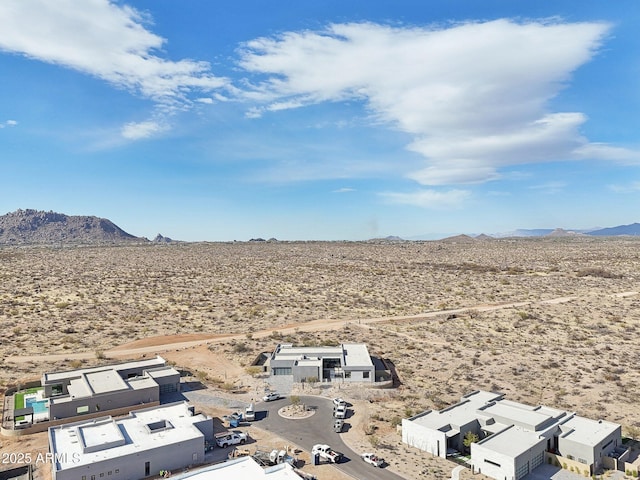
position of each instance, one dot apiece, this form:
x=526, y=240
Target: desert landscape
x=544, y=320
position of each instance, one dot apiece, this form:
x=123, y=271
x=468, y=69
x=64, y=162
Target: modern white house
x=168, y=437
x=91, y=390
x=243, y=468
x=513, y=438
x=349, y=362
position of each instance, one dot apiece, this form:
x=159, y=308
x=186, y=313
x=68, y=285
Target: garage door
x=168, y=388
x=537, y=460
x=522, y=470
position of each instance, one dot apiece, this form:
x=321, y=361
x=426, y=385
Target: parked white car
x=338, y=401
x=271, y=396
x=340, y=411
x=250, y=413
x=231, y=438
x=372, y=459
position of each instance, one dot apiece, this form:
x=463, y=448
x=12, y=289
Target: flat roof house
x=243, y=468
x=147, y=441
x=91, y=390
x=349, y=362
x=514, y=438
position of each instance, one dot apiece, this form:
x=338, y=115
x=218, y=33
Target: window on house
x=491, y=463
x=281, y=371
x=365, y=374
x=82, y=410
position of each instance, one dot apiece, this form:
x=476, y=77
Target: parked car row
x=340, y=413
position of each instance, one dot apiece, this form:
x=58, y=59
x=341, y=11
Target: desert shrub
x=253, y=370
x=597, y=272
x=369, y=428
x=240, y=347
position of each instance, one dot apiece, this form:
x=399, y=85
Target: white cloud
x=549, y=187
x=344, y=190
x=629, y=188
x=474, y=96
x=8, y=123
x=433, y=199
x=106, y=40
x=206, y=100
x=139, y=130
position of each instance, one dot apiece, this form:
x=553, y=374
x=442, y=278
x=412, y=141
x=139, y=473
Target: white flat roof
x=159, y=372
x=287, y=351
x=115, y=438
x=244, y=468
x=55, y=377
x=350, y=354
x=356, y=355
x=97, y=435
x=78, y=388
x=587, y=431
x=459, y=414
x=518, y=414
x=512, y=441
x=105, y=381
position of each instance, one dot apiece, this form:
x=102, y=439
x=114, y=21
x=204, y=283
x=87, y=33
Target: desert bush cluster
x=566, y=339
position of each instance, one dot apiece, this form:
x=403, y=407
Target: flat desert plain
x=550, y=321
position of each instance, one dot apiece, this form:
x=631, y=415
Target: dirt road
x=156, y=345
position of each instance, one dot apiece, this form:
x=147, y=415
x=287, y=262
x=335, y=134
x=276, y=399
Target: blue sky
x=322, y=120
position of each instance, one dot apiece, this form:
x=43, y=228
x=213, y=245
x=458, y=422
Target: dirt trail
x=157, y=345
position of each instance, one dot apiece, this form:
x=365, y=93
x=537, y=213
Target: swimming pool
x=39, y=406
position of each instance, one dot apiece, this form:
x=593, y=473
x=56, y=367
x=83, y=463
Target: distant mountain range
x=24, y=227
x=633, y=229
x=621, y=230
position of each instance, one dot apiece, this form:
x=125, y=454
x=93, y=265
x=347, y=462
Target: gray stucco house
x=514, y=438
x=91, y=390
x=349, y=362
x=168, y=437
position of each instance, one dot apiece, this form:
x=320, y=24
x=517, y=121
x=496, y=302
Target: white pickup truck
x=326, y=452
x=231, y=438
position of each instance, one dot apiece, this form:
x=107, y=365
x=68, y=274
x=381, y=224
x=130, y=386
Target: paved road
x=317, y=429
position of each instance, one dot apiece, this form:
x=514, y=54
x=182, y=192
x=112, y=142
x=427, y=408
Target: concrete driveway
x=318, y=429
x=549, y=472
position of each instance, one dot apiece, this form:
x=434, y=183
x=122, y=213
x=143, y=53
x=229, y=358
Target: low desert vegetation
x=565, y=333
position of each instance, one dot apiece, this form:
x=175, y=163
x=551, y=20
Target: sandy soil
x=549, y=321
